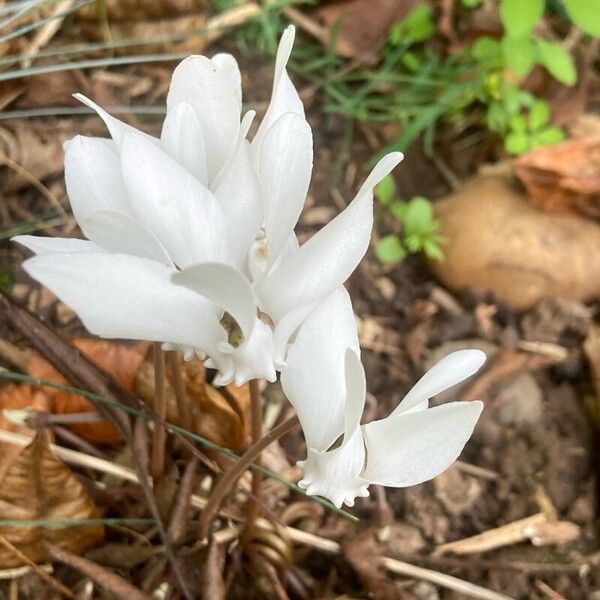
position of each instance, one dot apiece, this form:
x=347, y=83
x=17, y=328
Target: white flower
x=190, y=236
x=325, y=383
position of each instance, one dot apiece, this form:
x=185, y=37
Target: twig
x=40, y=572
x=230, y=477
x=159, y=437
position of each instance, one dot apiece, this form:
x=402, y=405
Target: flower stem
x=159, y=437
x=183, y=402
x=230, y=477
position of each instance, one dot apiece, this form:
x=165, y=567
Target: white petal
x=285, y=167
x=284, y=97
x=449, y=371
x=356, y=393
x=239, y=197
x=229, y=67
x=181, y=139
x=122, y=234
x=93, y=177
x=121, y=296
x=226, y=287
x=115, y=127
x=173, y=204
x=412, y=448
x=324, y=262
x=314, y=378
x=46, y=245
x=207, y=87
x=335, y=474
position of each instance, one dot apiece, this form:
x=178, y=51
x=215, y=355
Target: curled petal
x=121, y=296
x=409, y=449
x=449, y=371
x=50, y=245
x=314, y=378
x=182, y=139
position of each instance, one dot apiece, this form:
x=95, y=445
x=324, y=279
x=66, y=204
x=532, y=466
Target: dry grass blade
x=108, y=580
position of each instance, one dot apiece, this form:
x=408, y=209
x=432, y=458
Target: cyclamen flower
x=190, y=236
x=326, y=385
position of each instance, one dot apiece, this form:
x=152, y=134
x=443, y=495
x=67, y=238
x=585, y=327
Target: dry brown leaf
x=34, y=484
x=219, y=414
x=121, y=360
x=130, y=10
x=500, y=243
x=360, y=29
x=564, y=177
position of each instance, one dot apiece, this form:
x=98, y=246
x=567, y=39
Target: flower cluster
x=190, y=243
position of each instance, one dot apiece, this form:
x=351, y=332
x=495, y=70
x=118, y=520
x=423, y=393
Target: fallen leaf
x=358, y=28
x=121, y=360
x=498, y=242
x=564, y=177
x=34, y=484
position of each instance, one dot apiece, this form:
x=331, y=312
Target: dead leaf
x=498, y=242
x=34, y=484
x=358, y=28
x=564, y=177
x=121, y=360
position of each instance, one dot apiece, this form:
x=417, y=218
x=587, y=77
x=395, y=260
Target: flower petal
x=93, y=177
x=121, y=296
x=181, y=139
x=224, y=286
x=173, y=204
x=324, y=262
x=206, y=85
x=116, y=128
x=285, y=168
x=284, y=97
x=47, y=245
x=449, y=371
x=239, y=197
x=122, y=234
x=356, y=393
x=409, y=449
x=314, y=378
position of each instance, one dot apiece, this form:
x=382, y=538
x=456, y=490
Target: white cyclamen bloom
x=190, y=236
x=328, y=389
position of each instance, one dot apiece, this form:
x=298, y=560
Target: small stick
x=256, y=432
x=183, y=402
x=40, y=572
x=159, y=437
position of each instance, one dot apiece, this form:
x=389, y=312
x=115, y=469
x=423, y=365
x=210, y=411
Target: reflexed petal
x=121, y=296
x=181, y=139
x=123, y=234
x=449, y=371
x=93, y=177
x=116, y=128
x=224, y=286
x=412, y=448
x=228, y=65
x=284, y=97
x=239, y=197
x=335, y=474
x=324, y=262
x=206, y=85
x=285, y=167
x=314, y=378
x=356, y=393
x=47, y=245
x=173, y=204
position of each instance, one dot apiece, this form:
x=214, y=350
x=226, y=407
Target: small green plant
x=420, y=230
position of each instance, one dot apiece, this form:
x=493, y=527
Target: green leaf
x=557, y=61
x=389, y=249
x=585, y=14
x=418, y=215
x=520, y=16
x=548, y=135
x=385, y=190
x=519, y=54
x=516, y=142
x=485, y=49
x=398, y=209
x=539, y=114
